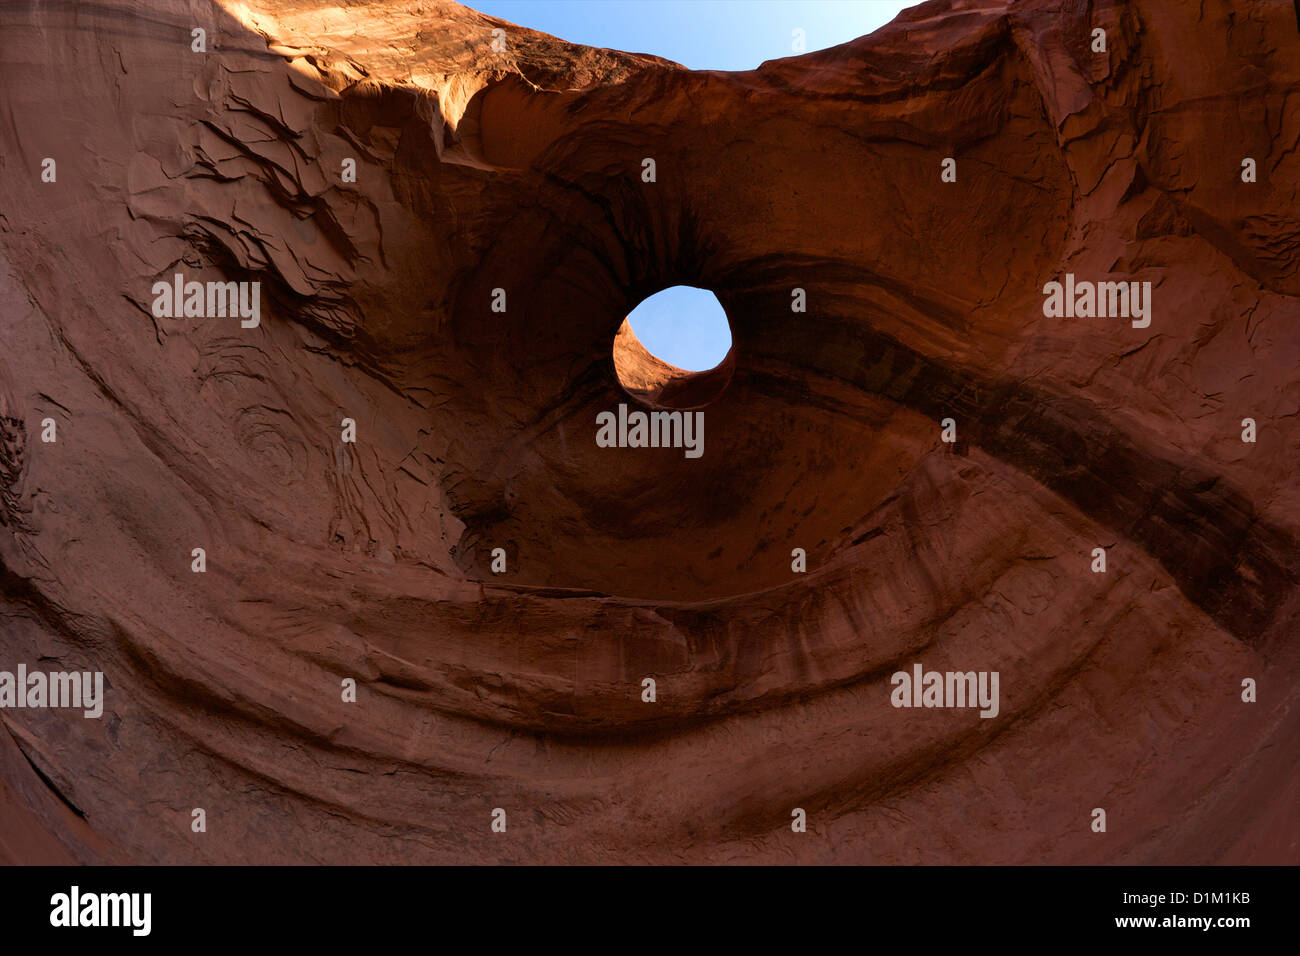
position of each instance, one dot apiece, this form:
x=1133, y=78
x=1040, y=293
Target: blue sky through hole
x=700, y=34
x=683, y=326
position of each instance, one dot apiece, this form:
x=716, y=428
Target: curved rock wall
x=521, y=170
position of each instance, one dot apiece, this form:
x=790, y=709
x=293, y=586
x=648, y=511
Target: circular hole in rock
x=674, y=349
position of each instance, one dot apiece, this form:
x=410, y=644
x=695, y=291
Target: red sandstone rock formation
x=520, y=170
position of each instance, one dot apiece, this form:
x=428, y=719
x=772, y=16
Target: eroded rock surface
x=521, y=170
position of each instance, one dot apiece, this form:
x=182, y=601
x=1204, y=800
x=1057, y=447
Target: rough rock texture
x=655, y=383
x=520, y=170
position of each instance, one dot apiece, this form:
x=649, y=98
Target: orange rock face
x=497, y=588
